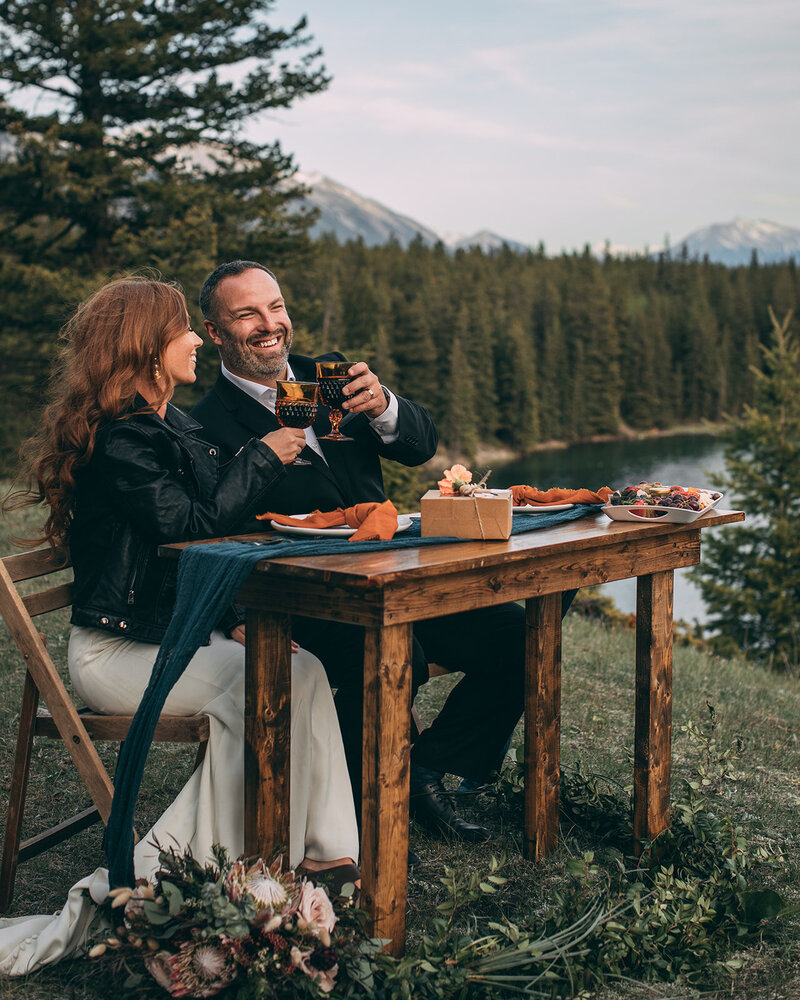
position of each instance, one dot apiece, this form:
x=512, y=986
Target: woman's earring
x=156, y=369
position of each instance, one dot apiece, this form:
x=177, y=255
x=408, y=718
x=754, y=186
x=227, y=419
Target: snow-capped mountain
x=605, y=248
x=733, y=243
x=348, y=215
x=486, y=240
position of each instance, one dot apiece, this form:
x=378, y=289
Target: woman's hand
x=237, y=635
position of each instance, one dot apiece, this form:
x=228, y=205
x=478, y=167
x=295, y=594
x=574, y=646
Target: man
x=246, y=317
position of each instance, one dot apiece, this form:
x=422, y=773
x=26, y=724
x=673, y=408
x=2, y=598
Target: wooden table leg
x=268, y=685
x=384, y=823
x=542, y=724
x=653, y=737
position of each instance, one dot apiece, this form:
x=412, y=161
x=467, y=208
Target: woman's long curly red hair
x=112, y=346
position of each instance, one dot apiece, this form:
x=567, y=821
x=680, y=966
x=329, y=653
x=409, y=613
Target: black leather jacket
x=151, y=481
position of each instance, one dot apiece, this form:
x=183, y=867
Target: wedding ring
x=371, y=393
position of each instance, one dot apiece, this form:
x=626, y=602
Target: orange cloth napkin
x=373, y=520
x=528, y=495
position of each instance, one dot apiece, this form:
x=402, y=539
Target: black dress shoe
x=432, y=808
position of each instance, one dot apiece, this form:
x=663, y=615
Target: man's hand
x=287, y=443
x=365, y=393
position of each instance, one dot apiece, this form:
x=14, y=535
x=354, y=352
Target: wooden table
x=386, y=592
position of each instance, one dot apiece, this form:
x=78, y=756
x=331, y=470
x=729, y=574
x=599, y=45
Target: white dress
x=110, y=675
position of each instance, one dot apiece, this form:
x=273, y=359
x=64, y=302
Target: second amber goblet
x=332, y=377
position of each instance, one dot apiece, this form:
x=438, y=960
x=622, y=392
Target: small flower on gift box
x=454, y=477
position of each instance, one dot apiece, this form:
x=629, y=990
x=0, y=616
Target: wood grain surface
x=268, y=671
x=653, y=725
x=384, y=827
x=542, y=725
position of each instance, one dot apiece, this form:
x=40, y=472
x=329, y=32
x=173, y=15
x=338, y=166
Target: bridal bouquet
x=243, y=924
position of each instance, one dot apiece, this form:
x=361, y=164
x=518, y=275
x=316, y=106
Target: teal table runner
x=209, y=578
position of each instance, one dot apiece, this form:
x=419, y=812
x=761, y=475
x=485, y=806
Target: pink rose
x=315, y=908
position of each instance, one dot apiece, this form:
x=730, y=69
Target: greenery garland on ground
x=677, y=913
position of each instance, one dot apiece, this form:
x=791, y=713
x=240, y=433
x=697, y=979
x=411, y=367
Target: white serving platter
x=670, y=515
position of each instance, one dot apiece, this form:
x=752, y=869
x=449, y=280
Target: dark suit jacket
x=353, y=474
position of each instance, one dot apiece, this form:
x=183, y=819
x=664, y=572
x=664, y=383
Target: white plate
x=345, y=531
x=540, y=508
x=671, y=515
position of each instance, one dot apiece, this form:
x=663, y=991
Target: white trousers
x=110, y=675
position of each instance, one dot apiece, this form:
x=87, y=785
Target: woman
x=122, y=472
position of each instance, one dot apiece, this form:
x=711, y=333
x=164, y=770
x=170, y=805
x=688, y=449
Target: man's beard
x=240, y=360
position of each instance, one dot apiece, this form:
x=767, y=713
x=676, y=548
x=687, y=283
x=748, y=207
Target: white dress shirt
x=385, y=426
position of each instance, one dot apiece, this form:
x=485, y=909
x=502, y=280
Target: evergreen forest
x=503, y=348
x=522, y=349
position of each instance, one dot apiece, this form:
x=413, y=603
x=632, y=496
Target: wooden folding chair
x=63, y=720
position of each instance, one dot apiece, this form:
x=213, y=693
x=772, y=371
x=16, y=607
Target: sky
x=562, y=121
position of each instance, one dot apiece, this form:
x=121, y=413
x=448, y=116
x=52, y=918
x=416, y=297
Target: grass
x=759, y=709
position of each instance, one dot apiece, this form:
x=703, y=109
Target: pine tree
x=594, y=350
x=141, y=98
x=143, y=160
x=459, y=425
x=516, y=387
x=640, y=368
x=750, y=575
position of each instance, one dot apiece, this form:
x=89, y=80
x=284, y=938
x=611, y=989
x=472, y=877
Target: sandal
x=334, y=880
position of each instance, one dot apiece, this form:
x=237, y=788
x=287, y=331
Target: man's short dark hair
x=230, y=270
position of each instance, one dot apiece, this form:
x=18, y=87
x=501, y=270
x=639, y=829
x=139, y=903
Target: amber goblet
x=296, y=405
x=332, y=377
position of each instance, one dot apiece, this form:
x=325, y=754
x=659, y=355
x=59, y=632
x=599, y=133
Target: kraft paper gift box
x=484, y=515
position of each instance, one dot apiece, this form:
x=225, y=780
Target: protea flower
x=198, y=970
x=270, y=890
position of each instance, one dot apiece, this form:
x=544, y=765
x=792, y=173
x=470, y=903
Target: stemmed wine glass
x=332, y=377
x=296, y=406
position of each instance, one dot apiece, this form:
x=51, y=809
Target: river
x=685, y=459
